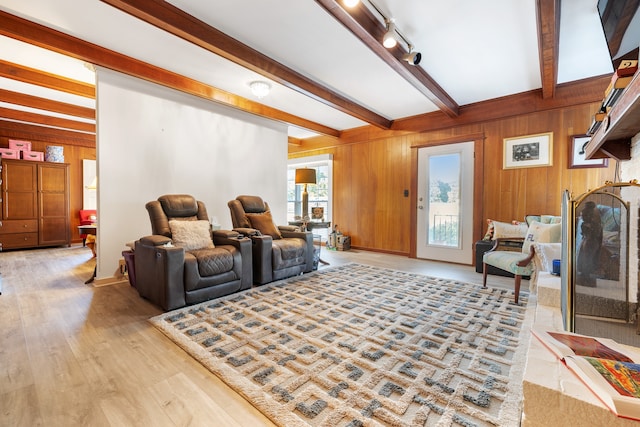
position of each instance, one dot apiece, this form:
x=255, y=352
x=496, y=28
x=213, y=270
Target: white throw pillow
x=545, y=254
x=506, y=230
x=191, y=235
x=541, y=233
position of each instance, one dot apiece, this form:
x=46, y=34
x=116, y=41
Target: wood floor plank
x=134, y=409
x=186, y=404
x=15, y=369
x=14, y=405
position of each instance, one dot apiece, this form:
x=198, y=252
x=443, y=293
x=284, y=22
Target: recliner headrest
x=252, y=204
x=178, y=205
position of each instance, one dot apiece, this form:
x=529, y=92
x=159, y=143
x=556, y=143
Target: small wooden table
x=89, y=229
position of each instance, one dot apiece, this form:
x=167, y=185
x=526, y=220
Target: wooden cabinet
x=35, y=204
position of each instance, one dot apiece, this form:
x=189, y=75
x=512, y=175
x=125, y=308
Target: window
x=320, y=194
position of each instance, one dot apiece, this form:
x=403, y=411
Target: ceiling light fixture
x=260, y=88
x=389, y=39
x=351, y=3
x=392, y=36
x=413, y=58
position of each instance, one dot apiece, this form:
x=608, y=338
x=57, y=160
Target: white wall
x=153, y=141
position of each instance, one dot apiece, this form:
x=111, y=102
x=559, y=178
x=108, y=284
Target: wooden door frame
x=478, y=185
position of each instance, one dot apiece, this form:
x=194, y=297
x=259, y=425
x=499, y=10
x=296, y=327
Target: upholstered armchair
x=183, y=262
x=278, y=251
x=519, y=263
x=87, y=217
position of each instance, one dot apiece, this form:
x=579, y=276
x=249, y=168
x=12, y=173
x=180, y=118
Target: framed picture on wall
x=317, y=213
x=528, y=151
x=577, y=154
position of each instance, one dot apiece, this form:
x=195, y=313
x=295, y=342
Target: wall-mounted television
x=621, y=24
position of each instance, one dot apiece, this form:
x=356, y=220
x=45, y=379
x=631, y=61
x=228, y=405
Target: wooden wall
x=73, y=155
x=371, y=174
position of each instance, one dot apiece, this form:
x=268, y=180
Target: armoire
x=34, y=204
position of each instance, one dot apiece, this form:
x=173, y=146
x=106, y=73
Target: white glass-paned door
x=445, y=203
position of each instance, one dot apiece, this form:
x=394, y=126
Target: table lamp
x=305, y=176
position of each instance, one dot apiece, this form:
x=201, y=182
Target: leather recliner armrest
x=288, y=228
x=262, y=247
x=306, y=235
x=155, y=240
x=160, y=273
x=249, y=232
x=243, y=245
x=229, y=234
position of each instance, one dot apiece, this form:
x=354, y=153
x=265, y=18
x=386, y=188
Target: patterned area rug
x=358, y=345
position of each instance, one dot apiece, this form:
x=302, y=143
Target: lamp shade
x=305, y=176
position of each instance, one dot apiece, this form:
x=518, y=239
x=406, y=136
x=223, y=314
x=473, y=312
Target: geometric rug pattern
x=357, y=345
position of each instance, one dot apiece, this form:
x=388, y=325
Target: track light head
x=413, y=58
x=350, y=3
x=389, y=39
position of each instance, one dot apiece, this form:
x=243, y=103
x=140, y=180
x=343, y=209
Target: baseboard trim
x=108, y=281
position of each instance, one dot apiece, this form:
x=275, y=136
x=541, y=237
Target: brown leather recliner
x=278, y=251
x=190, y=270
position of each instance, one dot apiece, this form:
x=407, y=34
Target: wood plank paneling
x=370, y=175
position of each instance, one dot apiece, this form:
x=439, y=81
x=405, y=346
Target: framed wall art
x=528, y=151
x=317, y=213
x=577, y=154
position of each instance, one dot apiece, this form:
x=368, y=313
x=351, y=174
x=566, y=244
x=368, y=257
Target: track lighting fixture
x=392, y=36
x=413, y=58
x=260, y=88
x=389, y=39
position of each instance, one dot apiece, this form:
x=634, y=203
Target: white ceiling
x=474, y=50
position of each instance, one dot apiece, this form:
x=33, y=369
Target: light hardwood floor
x=76, y=355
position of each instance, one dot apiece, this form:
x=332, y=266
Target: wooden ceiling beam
x=548, y=21
x=169, y=18
x=44, y=120
x=33, y=132
x=51, y=81
x=48, y=38
x=31, y=101
x=294, y=141
x=364, y=25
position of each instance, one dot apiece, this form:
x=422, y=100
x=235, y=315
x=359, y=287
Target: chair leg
x=484, y=275
x=84, y=242
x=517, y=290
